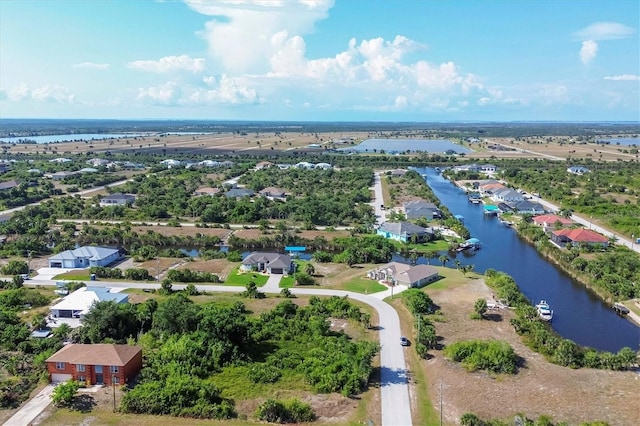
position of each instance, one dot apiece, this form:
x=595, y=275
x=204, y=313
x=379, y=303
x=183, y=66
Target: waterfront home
x=101, y=364
x=417, y=209
x=398, y=172
x=549, y=222
x=84, y=257
x=507, y=195
x=118, y=199
x=396, y=273
x=579, y=236
x=263, y=165
x=271, y=263
x=169, y=163
x=405, y=232
x=527, y=207
x=9, y=185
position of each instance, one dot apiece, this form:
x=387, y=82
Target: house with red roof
x=99, y=364
x=550, y=222
x=579, y=236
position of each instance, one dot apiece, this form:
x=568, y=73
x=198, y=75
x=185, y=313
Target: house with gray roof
x=271, y=263
x=396, y=273
x=508, y=195
x=527, y=207
x=117, y=199
x=405, y=232
x=239, y=193
x=417, y=209
x=84, y=257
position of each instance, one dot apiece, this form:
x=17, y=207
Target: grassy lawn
x=241, y=279
x=436, y=245
x=363, y=285
x=287, y=281
x=74, y=276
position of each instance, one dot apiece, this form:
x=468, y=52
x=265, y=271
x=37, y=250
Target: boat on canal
x=544, y=310
x=620, y=309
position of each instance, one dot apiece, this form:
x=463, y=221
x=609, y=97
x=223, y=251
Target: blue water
x=392, y=146
x=579, y=315
x=72, y=137
x=622, y=141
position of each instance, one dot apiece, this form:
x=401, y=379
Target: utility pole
x=440, y=401
x=113, y=386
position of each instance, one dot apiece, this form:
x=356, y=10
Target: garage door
x=60, y=378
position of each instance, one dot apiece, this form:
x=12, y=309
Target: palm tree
x=444, y=259
x=431, y=255
x=458, y=263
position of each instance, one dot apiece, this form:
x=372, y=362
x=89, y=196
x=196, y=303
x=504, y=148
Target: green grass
x=74, y=276
x=436, y=245
x=234, y=383
x=241, y=279
x=363, y=285
x=287, y=281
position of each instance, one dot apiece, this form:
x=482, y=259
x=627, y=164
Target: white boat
x=544, y=311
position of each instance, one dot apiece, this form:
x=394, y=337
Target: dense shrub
x=418, y=301
x=137, y=274
x=15, y=267
x=187, y=275
x=263, y=373
x=104, y=272
x=493, y=355
x=292, y=411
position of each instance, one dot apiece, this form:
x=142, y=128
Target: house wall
x=124, y=373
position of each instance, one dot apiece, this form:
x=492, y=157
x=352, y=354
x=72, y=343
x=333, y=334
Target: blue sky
x=321, y=60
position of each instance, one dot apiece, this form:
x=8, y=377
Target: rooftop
x=96, y=354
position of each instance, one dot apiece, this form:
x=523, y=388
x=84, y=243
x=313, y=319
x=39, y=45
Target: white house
x=396, y=273
x=578, y=170
x=84, y=257
x=508, y=195
x=77, y=304
x=271, y=263
x=117, y=199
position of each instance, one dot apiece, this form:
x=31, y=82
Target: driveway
x=394, y=388
x=272, y=285
x=32, y=409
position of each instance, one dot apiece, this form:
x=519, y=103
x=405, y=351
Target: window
x=80, y=368
x=82, y=379
x=115, y=368
x=60, y=365
x=115, y=380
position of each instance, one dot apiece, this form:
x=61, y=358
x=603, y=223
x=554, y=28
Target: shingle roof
x=419, y=272
x=581, y=235
x=552, y=218
x=86, y=252
x=96, y=354
x=401, y=228
x=273, y=260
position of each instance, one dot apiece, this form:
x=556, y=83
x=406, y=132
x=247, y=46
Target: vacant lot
x=573, y=396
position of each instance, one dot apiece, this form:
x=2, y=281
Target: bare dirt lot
x=572, y=396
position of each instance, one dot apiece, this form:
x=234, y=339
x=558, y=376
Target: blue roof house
x=84, y=257
x=405, y=232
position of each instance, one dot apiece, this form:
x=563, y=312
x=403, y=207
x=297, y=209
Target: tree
x=64, y=394
x=309, y=269
x=480, y=307
x=467, y=269
x=166, y=287
x=252, y=292
x=444, y=259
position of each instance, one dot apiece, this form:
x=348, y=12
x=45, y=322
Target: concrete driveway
x=32, y=409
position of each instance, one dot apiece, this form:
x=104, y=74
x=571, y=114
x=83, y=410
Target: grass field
x=241, y=279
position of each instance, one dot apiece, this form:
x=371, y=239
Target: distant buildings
x=84, y=257
x=405, y=232
x=118, y=199
x=578, y=170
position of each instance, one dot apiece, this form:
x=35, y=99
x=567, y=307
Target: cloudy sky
x=321, y=60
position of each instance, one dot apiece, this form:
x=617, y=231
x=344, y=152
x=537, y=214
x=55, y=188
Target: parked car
x=404, y=341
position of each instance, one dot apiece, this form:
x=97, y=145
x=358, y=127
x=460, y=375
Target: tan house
x=96, y=364
x=206, y=191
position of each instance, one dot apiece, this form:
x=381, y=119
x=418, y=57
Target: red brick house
x=96, y=364
x=579, y=236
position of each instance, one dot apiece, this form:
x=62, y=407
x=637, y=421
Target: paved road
x=378, y=199
x=619, y=239
x=32, y=409
x=394, y=388
x=272, y=285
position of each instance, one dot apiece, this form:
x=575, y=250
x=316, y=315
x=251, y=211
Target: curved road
x=394, y=388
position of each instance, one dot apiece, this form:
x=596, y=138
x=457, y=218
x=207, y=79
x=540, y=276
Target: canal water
x=579, y=315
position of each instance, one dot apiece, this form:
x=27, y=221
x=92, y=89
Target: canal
x=579, y=314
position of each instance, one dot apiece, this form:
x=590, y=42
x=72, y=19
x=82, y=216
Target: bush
x=492, y=355
x=292, y=411
x=15, y=267
x=64, y=394
x=264, y=373
x=304, y=279
x=103, y=272
x=137, y=274
x=418, y=301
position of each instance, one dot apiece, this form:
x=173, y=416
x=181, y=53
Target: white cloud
x=91, y=66
x=52, y=93
x=170, y=64
x=166, y=94
x=588, y=51
x=241, y=32
x=623, y=77
x=604, y=31
x=212, y=91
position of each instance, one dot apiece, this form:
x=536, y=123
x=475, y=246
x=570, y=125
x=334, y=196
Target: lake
x=78, y=137
x=621, y=141
x=579, y=314
x=392, y=146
